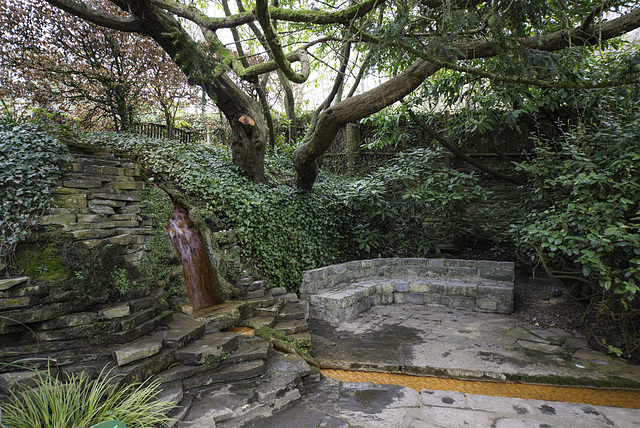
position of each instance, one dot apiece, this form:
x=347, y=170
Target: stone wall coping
x=494, y=273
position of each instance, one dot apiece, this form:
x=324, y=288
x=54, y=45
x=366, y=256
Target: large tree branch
x=264, y=18
x=98, y=17
x=360, y=106
x=343, y=17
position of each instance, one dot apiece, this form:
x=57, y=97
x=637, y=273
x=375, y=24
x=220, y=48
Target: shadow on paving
x=432, y=340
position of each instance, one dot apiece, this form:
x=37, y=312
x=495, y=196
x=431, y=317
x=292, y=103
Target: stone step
x=250, y=348
x=137, y=318
x=255, y=294
x=140, y=371
x=182, y=332
x=138, y=349
x=255, y=322
x=211, y=347
x=289, y=327
x=226, y=374
x=291, y=311
x=266, y=312
x=143, y=329
x=303, y=338
x=256, y=285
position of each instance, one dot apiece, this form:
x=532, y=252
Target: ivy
x=30, y=165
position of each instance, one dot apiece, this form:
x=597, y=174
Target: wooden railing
x=155, y=130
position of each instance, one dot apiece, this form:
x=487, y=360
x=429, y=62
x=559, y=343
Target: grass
x=83, y=402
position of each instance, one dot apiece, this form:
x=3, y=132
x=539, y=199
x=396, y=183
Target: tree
x=412, y=39
x=84, y=70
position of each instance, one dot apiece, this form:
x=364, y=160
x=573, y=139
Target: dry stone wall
x=98, y=200
x=338, y=293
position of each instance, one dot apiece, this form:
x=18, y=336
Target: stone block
x=124, y=239
x=58, y=219
x=86, y=234
x=462, y=272
x=108, y=202
x=70, y=201
x=466, y=290
x=133, y=172
x=487, y=305
x=126, y=197
x=125, y=223
x=83, y=184
x=91, y=243
x=387, y=299
x=137, y=350
x=131, y=209
x=291, y=297
x=353, y=265
x=399, y=297
x=462, y=302
x=210, y=347
x=126, y=185
x=426, y=287
x=498, y=275
x=70, y=320
x=92, y=218
x=134, y=258
x=438, y=299
x=415, y=298
x=101, y=209
x=6, y=284
x=16, y=302
x=114, y=312
x=402, y=287
x=278, y=291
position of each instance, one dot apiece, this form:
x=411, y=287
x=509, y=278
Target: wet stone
x=211, y=347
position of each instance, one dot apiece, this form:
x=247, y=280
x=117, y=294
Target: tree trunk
x=249, y=131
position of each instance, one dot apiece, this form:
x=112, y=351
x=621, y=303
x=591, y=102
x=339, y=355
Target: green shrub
x=81, y=401
x=30, y=162
x=411, y=206
x=586, y=216
x=584, y=224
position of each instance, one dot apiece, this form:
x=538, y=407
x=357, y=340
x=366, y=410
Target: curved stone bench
x=338, y=293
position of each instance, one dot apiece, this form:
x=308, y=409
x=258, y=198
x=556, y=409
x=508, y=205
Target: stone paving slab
x=434, y=340
x=336, y=404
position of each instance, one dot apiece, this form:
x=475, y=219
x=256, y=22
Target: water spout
x=200, y=276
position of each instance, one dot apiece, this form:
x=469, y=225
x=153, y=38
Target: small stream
x=200, y=276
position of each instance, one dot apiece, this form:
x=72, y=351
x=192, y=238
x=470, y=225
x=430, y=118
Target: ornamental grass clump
x=84, y=402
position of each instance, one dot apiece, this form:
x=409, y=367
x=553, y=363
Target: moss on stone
x=44, y=263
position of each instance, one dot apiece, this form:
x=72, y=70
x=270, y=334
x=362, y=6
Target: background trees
x=97, y=75
x=410, y=41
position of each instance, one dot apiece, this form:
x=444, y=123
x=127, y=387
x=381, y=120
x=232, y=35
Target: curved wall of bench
x=338, y=293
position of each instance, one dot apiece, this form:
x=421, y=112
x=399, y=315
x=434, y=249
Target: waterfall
x=200, y=276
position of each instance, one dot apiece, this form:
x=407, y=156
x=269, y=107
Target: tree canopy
x=406, y=41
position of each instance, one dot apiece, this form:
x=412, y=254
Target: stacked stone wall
x=98, y=200
x=340, y=292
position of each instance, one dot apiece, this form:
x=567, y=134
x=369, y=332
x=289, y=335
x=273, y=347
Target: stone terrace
x=339, y=293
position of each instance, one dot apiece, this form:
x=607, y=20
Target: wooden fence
x=155, y=130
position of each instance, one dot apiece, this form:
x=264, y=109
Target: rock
x=138, y=349
x=115, y=312
x=6, y=284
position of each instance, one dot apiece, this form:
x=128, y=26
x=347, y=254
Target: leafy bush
x=410, y=206
x=30, y=162
x=584, y=225
x=81, y=401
